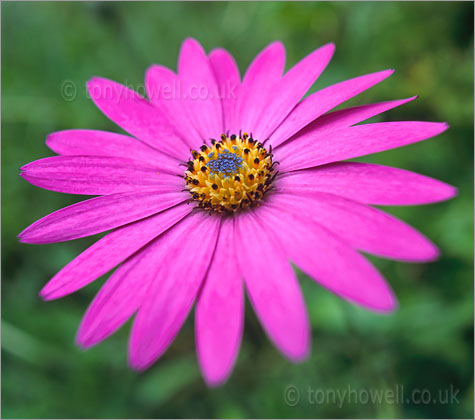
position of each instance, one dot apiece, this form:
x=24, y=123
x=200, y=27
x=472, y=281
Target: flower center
x=231, y=174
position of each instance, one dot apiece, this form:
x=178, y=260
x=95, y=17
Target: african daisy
x=221, y=184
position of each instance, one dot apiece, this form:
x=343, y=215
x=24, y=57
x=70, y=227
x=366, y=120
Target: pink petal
x=123, y=294
x=187, y=255
x=200, y=90
x=347, y=117
x=118, y=299
x=361, y=227
x=367, y=183
x=272, y=286
x=228, y=79
x=164, y=92
x=322, y=101
x=309, y=150
x=257, y=87
x=327, y=259
x=96, y=175
x=98, y=215
x=103, y=143
x=220, y=311
x=291, y=88
x=137, y=116
x=109, y=251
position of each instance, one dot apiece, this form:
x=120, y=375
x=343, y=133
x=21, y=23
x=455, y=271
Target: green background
x=426, y=345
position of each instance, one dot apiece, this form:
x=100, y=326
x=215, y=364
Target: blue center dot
x=225, y=164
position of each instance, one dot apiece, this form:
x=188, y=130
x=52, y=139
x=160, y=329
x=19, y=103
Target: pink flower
x=198, y=227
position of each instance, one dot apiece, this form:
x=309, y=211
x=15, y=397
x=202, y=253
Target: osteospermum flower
x=221, y=184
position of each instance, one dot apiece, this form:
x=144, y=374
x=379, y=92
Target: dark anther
x=204, y=148
x=256, y=160
x=236, y=178
x=195, y=182
x=246, y=151
x=252, y=141
x=233, y=137
x=204, y=169
x=251, y=177
x=202, y=159
x=194, y=153
x=196, y=196
x=223, y=136
x=214, y=186
x=245, y=201
x=218, y=146
x=233, y=206
x=260, y=187
x=213, y=142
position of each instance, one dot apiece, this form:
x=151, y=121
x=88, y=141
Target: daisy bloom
x=220, y=185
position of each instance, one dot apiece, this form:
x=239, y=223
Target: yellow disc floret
x=230, y=174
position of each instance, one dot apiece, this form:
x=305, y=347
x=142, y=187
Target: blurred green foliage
x=426, y=344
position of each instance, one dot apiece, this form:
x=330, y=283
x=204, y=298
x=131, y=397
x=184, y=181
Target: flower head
x=220, y=184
